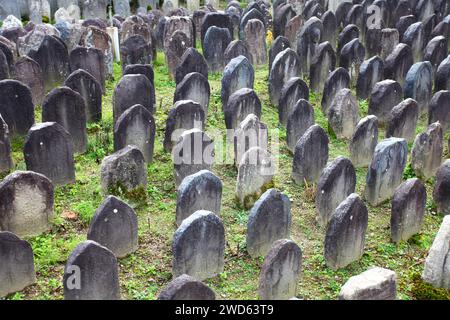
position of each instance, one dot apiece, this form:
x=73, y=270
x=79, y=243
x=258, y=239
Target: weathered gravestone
x=278, y=45
x=48, y=150
x=407, y=209
x=442, y=188
x=194, y=86
x=330, y=28
x=347, y=34
x=90, y=60
x=174, y=48
x=194, y=151
x=397, y=64
x=91, y=273
x=90, y=90
x=310, y=155
x=385, y=96
x=136, y=126
x=280, y=271
x=26, y=203
x=373, y=284
x=322, y=63
x=337, y=80
x=281, y=17
x=145, y=69
x=123, y=171
x=29, y=72
x=386, y=170
x=343, y=114
x=299, y=120
x=217, y=19
x=403, y=120
x=426, y=155
x=351, y=57
x=255, y=175
x=346, y=232
x=185, y=287
x=237, y=48
x=94, y=37
x=237, y=74
x=16, y=264
x=419, y=84
x=293, y=90
x=53, y=58
x=439, y=109
x=371, y=71
x=414, y=37
x=293, y=27
x=16, y=106
x=185, y=115
x=115, y=226
x=191, y=61
x=269, y=221
x=94, y=9
x=199, y=191
x=250, y=14
x=215, y=42
x=240, y=104
x=285, y=66
x=122, y=8
x=6, y=162
x=133, y=89
x=255, y=37
x=436, y=51
x=307, y=41
x=390, y=38
x=436, y=270
x=67, y=107
x=442, y=78
x=336, y=182
x=404, y=22
x=198, y=246
x=251, y=132
x=135, y=50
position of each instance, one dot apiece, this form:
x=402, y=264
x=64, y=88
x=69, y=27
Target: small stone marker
x=385, y=96
x=439, y=109
x=310, y=155
x=280, y=271
x=195, y=87
x=364, y=141
x=427, y=150
x=293, y=90
x=123, y=170
x=136, y=126
x=441, y=192
x=16, y=106
x=255, y=175
x=386, y=170
x=343, y=114
x=299, y=120
x=66, y=107
x=26, y=203
x=191, y=61
x=408, y=209
x=374, y=284
x=198, y=246
x=336, y=182
x=237, y=74
x=115, y=226
x=16, y=264
x=185, y=287
x=91, y=273
x=199, y=191
x=240, y=104
x=133, y=89
x=346, y=231
x=337, y=80
x=269, y=221
x=419, y=84
x=285, y=66
x=436, y=265
x=194, y=151
x=6, y=162
x=403, y=120
x=48, y=150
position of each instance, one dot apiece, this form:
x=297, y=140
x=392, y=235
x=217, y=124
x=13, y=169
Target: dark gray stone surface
x=185, y=287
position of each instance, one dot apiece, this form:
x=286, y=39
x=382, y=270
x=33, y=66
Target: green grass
x=144, y=273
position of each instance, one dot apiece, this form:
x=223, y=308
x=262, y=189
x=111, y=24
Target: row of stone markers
x=26, y=198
